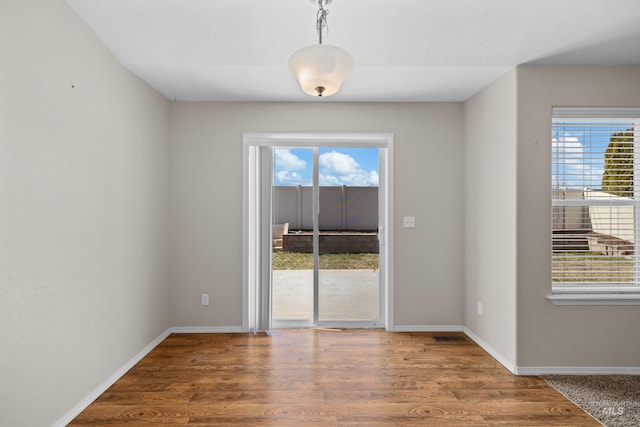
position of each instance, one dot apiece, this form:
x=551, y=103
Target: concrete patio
x=349, y=295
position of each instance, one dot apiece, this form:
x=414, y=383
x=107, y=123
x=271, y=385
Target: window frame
x=598, y=294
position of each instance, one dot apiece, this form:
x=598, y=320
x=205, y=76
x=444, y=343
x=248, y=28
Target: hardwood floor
x=316, y=377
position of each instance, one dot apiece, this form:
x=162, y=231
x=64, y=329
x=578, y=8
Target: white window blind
x=595, y=199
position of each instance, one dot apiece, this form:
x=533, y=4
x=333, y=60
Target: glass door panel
x=325, y=236
x=292, y=272
x=348, y=280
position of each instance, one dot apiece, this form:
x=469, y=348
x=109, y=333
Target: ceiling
x=404, y=50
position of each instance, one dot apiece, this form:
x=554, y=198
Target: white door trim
x=254, y=316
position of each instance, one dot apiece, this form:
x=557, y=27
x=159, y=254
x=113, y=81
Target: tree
x=618, y=165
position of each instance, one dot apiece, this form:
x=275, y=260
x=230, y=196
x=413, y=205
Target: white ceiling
x=404, y=50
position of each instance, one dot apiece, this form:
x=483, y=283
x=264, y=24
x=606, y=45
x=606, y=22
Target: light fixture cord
x=321, y=20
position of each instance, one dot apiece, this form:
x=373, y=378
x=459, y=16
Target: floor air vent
x=449, y=338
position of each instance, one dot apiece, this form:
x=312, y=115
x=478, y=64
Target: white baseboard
x=427, y=328
x=552, y=370
x=207, y=329
x=496, y=355
x=536, y=370
x=82, y=405
x=578, y=370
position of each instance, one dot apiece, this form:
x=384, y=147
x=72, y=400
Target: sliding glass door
x=325, y=259
x=317, y=235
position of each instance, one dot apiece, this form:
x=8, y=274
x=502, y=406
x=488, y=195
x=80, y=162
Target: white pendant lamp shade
x=320, y=69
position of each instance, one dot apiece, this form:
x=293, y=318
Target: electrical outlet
x=409, y=222
x=480, y=308
x=205, y=299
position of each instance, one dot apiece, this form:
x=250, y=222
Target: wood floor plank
x=388, y=396
x=506, y=395
x=151, y=397
x=256, y=421
x=332, y=378
x=257, y=397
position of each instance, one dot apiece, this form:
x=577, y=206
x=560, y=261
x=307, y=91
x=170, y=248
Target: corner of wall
x=490, y=144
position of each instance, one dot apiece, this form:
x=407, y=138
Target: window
x=595, y=203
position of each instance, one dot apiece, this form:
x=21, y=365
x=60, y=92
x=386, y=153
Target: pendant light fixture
x=320, y=69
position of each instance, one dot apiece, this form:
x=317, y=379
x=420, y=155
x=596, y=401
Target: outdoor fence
x=605, y=225
x=570, y=217
x=341, y=208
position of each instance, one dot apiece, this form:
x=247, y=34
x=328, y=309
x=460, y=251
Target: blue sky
x=355, y=167
x=578, y=153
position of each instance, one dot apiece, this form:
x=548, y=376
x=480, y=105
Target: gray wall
x=550, y=335
x=206, y=196
x=507, y=209
x=490, y=220
x=84, y=172
x=83, y=213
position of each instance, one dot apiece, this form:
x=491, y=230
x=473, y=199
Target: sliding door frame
x=256, y=230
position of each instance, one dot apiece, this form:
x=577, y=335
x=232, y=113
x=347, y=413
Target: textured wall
x=490, y=215
x=549, y=335
x=83, y=213
x=206, y=159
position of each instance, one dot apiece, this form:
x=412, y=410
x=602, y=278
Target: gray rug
x=614, y=400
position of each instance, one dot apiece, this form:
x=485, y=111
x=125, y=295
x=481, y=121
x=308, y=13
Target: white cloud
x=342, y=169
x=338, y=163
x=336, y=169
x=286, y=166
x=285, y=160
x=569, y=148
x=571, y=168
x=374, y=178
x=289, y=178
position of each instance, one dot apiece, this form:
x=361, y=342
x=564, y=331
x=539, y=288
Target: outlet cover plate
x=409, y=222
